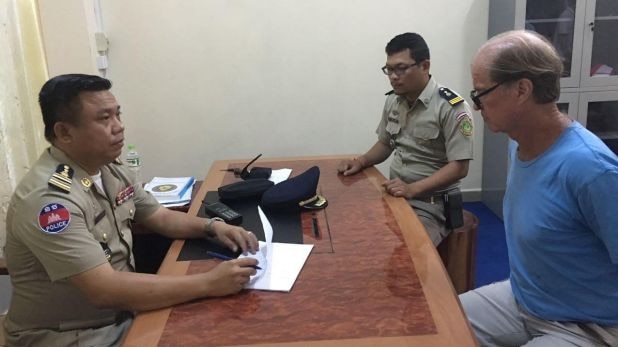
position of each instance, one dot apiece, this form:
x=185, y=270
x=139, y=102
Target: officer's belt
x=433, y=199
x=95, y=323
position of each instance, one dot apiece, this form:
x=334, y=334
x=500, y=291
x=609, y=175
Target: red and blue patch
x=54, y=218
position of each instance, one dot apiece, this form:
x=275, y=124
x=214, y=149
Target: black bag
x=453, y=209
x=256, y=173
x=244, y=189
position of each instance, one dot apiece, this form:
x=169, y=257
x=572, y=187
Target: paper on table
x=169, y=187
x=280, y=262
x=185, y=199
x=280, y=175
x=172, y=202
x=262, y=255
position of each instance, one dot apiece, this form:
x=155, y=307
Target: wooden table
x=372, y=279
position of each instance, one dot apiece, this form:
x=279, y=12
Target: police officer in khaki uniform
x=69, y=243
x=428, y=127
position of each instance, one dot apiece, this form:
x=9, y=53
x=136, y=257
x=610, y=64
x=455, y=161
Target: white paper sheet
x=171, y=202
x=280, y=262
x=279, y=175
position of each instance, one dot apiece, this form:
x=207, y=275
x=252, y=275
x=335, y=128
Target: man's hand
x=399, y=188
x=350, y=166
x=234, y=237
x=230, y=277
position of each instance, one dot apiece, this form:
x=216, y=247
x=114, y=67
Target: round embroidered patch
x=54, y=218
x=162, y=188
x=465, y=123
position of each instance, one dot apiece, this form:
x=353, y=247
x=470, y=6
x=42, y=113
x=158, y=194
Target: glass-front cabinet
x=600, y=51
x=585, y=33
x=561, y=22
x=598, y=111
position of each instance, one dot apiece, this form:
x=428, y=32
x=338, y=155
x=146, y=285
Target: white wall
x=204, y=80
x=67, y=28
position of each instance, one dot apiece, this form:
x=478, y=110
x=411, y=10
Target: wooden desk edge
x=148, y=327
x=437, y=287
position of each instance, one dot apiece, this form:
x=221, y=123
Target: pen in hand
x=225, y=257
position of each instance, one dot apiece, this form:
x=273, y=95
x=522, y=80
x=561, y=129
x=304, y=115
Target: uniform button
x=104, y=237
x=121, y=234
x=131, y=211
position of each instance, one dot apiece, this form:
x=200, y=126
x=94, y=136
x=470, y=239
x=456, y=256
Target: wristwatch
x=210, y=232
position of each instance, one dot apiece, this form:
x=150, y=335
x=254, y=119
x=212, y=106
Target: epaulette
x=450, y=96
x=117, y=161
x=61, y=179
x=390, y=92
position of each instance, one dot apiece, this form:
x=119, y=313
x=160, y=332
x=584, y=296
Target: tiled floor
x=492, y=262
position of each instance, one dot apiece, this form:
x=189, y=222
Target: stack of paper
x=280, y=262
x=171, y=191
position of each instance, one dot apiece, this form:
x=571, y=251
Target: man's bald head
x=524, y=54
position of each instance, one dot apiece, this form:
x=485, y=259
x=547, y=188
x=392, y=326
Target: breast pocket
x=126, y=211
x=427, y=137
x=102, y=229
x=124, y=216
x=393, y=128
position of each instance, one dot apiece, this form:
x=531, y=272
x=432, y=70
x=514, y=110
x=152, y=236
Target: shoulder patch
x=450, y=96
x=54, y=218
x=465, y=123
x=61, y=179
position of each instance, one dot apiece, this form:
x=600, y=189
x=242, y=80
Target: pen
x=225, y=257
x=316, y=231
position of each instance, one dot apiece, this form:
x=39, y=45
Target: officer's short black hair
x=59, y=98
x=413, y=41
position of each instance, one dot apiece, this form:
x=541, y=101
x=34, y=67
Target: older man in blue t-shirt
x=559, y=209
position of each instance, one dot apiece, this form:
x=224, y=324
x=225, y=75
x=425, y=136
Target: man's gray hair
x=526, y=54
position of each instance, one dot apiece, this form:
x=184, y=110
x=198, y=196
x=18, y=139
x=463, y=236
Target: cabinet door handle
x=591, y=25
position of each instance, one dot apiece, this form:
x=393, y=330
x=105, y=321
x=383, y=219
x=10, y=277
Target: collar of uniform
x=111, y=182
x=428, y=92
x=60, y=156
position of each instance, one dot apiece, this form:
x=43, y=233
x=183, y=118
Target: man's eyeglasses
x=476, y=96
x=398, y=70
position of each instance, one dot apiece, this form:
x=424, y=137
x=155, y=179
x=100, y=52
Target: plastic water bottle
x=134, y=162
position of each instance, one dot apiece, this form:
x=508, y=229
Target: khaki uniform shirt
x=53, y=234
x=426, y=135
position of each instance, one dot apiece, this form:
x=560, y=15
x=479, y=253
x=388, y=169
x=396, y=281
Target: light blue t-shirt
x=561, y=219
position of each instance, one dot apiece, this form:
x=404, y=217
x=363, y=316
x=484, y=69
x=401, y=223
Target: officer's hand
x=234, y=237
x=229, y=277
x=349, y=167
x=398, y=188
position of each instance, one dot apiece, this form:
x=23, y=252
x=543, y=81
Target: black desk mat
x=286, y=228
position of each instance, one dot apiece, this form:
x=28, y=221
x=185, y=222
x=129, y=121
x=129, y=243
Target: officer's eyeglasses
x=476, y=96
x=398, y=70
